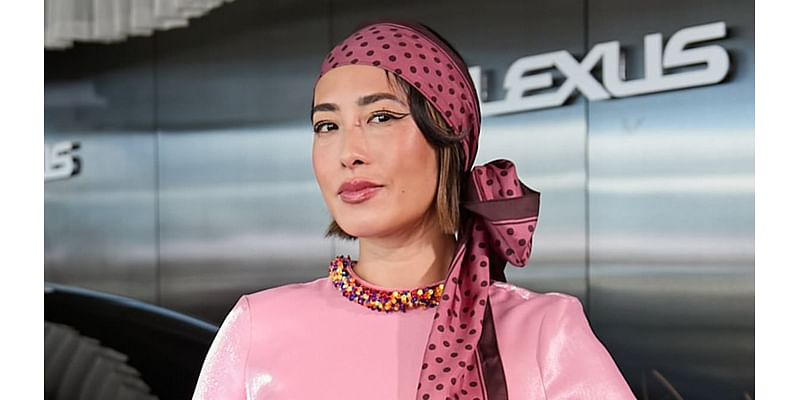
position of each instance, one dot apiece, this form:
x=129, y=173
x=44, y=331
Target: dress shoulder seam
x=524, y=294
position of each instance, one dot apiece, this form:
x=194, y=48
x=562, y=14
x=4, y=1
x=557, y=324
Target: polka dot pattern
x=502, y=212
x=418, y=59
x=510, y=238
x=501, y=227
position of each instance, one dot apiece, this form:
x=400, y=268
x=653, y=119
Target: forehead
x=350, y=82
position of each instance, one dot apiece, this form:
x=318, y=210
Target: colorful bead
x=381, y=300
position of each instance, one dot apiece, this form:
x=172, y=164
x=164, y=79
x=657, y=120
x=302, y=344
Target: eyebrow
x=362, y=101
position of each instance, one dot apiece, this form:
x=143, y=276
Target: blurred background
x=178, y=172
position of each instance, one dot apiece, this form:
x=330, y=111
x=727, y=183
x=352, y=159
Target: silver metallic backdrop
x=196, y=185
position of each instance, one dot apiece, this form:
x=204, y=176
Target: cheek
x=417, y=164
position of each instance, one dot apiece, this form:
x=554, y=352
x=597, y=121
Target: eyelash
x=377, y=114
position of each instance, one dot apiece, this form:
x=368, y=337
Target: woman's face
x=363, y=131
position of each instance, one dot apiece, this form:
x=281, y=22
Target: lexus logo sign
x=529, y=74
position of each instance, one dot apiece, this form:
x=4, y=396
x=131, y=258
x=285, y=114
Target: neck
x=416, y=258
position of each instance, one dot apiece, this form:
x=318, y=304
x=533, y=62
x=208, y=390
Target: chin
x=375, y=226
x=360, y=230
x=367, y=224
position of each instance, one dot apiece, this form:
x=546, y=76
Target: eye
x=324, y=127
x=381, y=117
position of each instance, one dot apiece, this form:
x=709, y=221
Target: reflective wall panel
x=671, y=201
x=239, y=208
x=100, y=226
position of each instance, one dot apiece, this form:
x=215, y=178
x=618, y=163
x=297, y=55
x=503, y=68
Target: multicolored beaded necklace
x=343, y=278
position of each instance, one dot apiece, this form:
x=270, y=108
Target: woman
x=425, y=312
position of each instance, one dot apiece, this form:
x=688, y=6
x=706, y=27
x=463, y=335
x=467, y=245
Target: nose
x=354, y=146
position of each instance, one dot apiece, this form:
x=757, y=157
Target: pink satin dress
x=307, y=341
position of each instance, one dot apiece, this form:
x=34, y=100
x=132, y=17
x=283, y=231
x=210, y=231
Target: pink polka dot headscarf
x=461, y=359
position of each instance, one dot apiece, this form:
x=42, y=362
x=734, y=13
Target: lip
x=358, y=190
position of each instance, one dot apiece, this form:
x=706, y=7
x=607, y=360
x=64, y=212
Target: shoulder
x=550, y=332
x=528, y=322
x=292, y=294
x=509, y=298
x=521, y=308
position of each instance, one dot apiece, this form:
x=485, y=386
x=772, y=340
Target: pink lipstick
x=356, y=191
